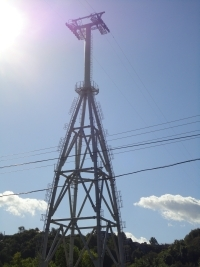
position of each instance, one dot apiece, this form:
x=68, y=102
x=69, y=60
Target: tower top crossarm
x=95, y=22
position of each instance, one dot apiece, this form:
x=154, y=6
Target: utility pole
x=83, y=190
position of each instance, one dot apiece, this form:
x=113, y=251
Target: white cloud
x=20, y=206
x=173, y=207
x=135, y=239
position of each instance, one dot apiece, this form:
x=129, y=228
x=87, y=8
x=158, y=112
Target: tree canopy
x=21, y=250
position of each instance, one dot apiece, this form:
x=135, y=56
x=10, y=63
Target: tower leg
x=85, y=144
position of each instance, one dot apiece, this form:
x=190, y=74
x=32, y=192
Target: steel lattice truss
x=83, y=197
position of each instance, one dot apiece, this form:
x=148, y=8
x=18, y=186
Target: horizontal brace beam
x=108, y=221
x=77, y=170
x=86, y=17
x=84, y=227
x=75, y=218
x=77, y=128
x=89, y=227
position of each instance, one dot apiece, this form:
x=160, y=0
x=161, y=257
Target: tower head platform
x=95, y=22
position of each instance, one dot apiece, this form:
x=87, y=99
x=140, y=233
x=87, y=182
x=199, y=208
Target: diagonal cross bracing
x=81, y=199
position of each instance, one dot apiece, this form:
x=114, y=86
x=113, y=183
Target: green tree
x=21, y=229
x=60, y=259
x=16, y=261
x=153, y=241
x=86, y=261
x=192, y=235
x=136, y=254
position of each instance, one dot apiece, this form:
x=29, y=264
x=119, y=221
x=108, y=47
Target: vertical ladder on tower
x=83, y=196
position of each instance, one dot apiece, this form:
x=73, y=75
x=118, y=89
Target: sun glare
x=11, y=24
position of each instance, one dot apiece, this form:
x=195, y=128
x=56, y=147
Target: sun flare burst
x=11, y=25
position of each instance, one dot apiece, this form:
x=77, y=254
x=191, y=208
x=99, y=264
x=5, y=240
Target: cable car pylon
x=83, y=198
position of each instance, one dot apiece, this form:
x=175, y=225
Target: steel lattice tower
x=88, y=189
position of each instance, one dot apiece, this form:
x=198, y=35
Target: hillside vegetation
x=22, y=250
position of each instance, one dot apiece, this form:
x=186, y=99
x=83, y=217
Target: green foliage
x=60, y=259
x=181, y=253
x=192, y=235
x=86, y=261
x=78, y=243
x=153, y=241
x=18, y=261
x=1, y=236
x=20, y=250
x=25, y=242
x=21, y=229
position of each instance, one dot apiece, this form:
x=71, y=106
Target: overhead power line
x=116, y=176
x=28, y=151
x=133, y=68
x=155, y=125
x=32, y=155
x=153, y=142
x=133, y=130
x=142, y=148
x=38, y=167
x=115, y=148
x=53, y=151
x=159, y=167
x=116, y=153
x=150, y=132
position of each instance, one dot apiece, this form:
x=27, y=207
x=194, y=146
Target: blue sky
x=147, y=69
